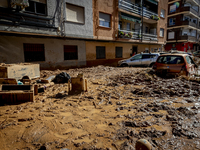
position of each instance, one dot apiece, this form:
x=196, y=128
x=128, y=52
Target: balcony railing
x=136, y=35
x=185, y=22
x=188, y=38
x=10, y=17
x=197, y=1
x=189, y=9
x=149, y=37
x=125, y=5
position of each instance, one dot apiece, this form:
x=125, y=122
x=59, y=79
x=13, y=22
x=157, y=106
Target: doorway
x=134, y=50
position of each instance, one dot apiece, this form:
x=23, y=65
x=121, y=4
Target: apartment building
x=73, y=33
x=48, y=32
x=183, y=26
x=124, y=27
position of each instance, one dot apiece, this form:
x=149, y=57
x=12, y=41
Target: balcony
x=9, y=16
x=181, y=23
x=136, y=35
x=187, y=38
x=195, y=1
x=133, y=8
x=190, y=9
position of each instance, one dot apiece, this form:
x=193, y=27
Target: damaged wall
x=12, y=51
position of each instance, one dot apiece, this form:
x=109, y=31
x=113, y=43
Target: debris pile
x=121, y=106
x=156, y=86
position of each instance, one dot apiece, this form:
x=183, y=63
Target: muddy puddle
x=121, y=106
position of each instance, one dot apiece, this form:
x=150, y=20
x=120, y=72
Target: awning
x=153, y=1
x=130, y=18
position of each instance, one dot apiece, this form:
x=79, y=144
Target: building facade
x=74, y=33
x=47, y=32
x=183, y=25
x=123, y=28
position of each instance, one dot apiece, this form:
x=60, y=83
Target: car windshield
x=170, y=60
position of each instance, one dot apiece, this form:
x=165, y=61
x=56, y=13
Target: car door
x=135, y=60
x=191, y=65
x=146, y=60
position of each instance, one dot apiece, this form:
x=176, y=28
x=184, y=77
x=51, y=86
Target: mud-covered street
x=121, y=106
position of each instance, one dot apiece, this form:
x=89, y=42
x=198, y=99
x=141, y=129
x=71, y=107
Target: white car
x=143, y=59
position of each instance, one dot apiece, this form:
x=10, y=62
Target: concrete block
x=17, y=71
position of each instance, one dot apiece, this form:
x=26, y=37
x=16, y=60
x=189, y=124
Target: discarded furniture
x=13, y=94
x=78, y=84
x=8, y=81
x=47, y=80
x=17, y=71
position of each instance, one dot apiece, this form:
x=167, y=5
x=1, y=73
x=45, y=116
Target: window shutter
x=74, y=13
x=104, y=17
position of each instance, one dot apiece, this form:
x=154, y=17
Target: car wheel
x=124, y=65
x=151, y=65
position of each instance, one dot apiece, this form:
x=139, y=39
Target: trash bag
x=63, y=77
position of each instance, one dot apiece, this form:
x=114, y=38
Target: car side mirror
x=132, y=59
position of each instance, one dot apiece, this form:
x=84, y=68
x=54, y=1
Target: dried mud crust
x=121, y=106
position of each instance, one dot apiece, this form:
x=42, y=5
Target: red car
x=181, y=64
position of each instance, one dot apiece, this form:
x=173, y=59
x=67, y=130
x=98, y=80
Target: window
x=136, y=57
x=34, y=52
x=162, y=13
x=145, y=56
x=195, y=21
x=70, y=52
x=104, y=20
x=118, y=52
x=75, y=13
x=146, y=50
x=161, y=32
x=36, y=7
x=186, y=18
x=146, y=30
x=100, y=52
x=170, y=60
x=120, y=25
x=189, y=60
x=128, y=27
x=172, y=21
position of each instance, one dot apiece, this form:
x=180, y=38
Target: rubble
x=121, y=106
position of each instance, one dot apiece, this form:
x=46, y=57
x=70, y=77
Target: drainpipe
x=142, y=4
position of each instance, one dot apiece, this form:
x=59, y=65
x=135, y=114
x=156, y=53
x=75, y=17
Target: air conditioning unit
x=23, y=3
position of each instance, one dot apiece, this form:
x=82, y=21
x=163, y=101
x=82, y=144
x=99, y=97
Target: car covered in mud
x=180, y=64
x=143, y=59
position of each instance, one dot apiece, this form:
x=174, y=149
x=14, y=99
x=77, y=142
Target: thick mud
x=121, y=106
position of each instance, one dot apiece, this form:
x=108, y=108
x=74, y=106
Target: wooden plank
x=47, y=80
x=8, y=81
x=12, y=97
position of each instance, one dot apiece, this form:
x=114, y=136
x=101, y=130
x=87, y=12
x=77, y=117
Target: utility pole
x=142, y=4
